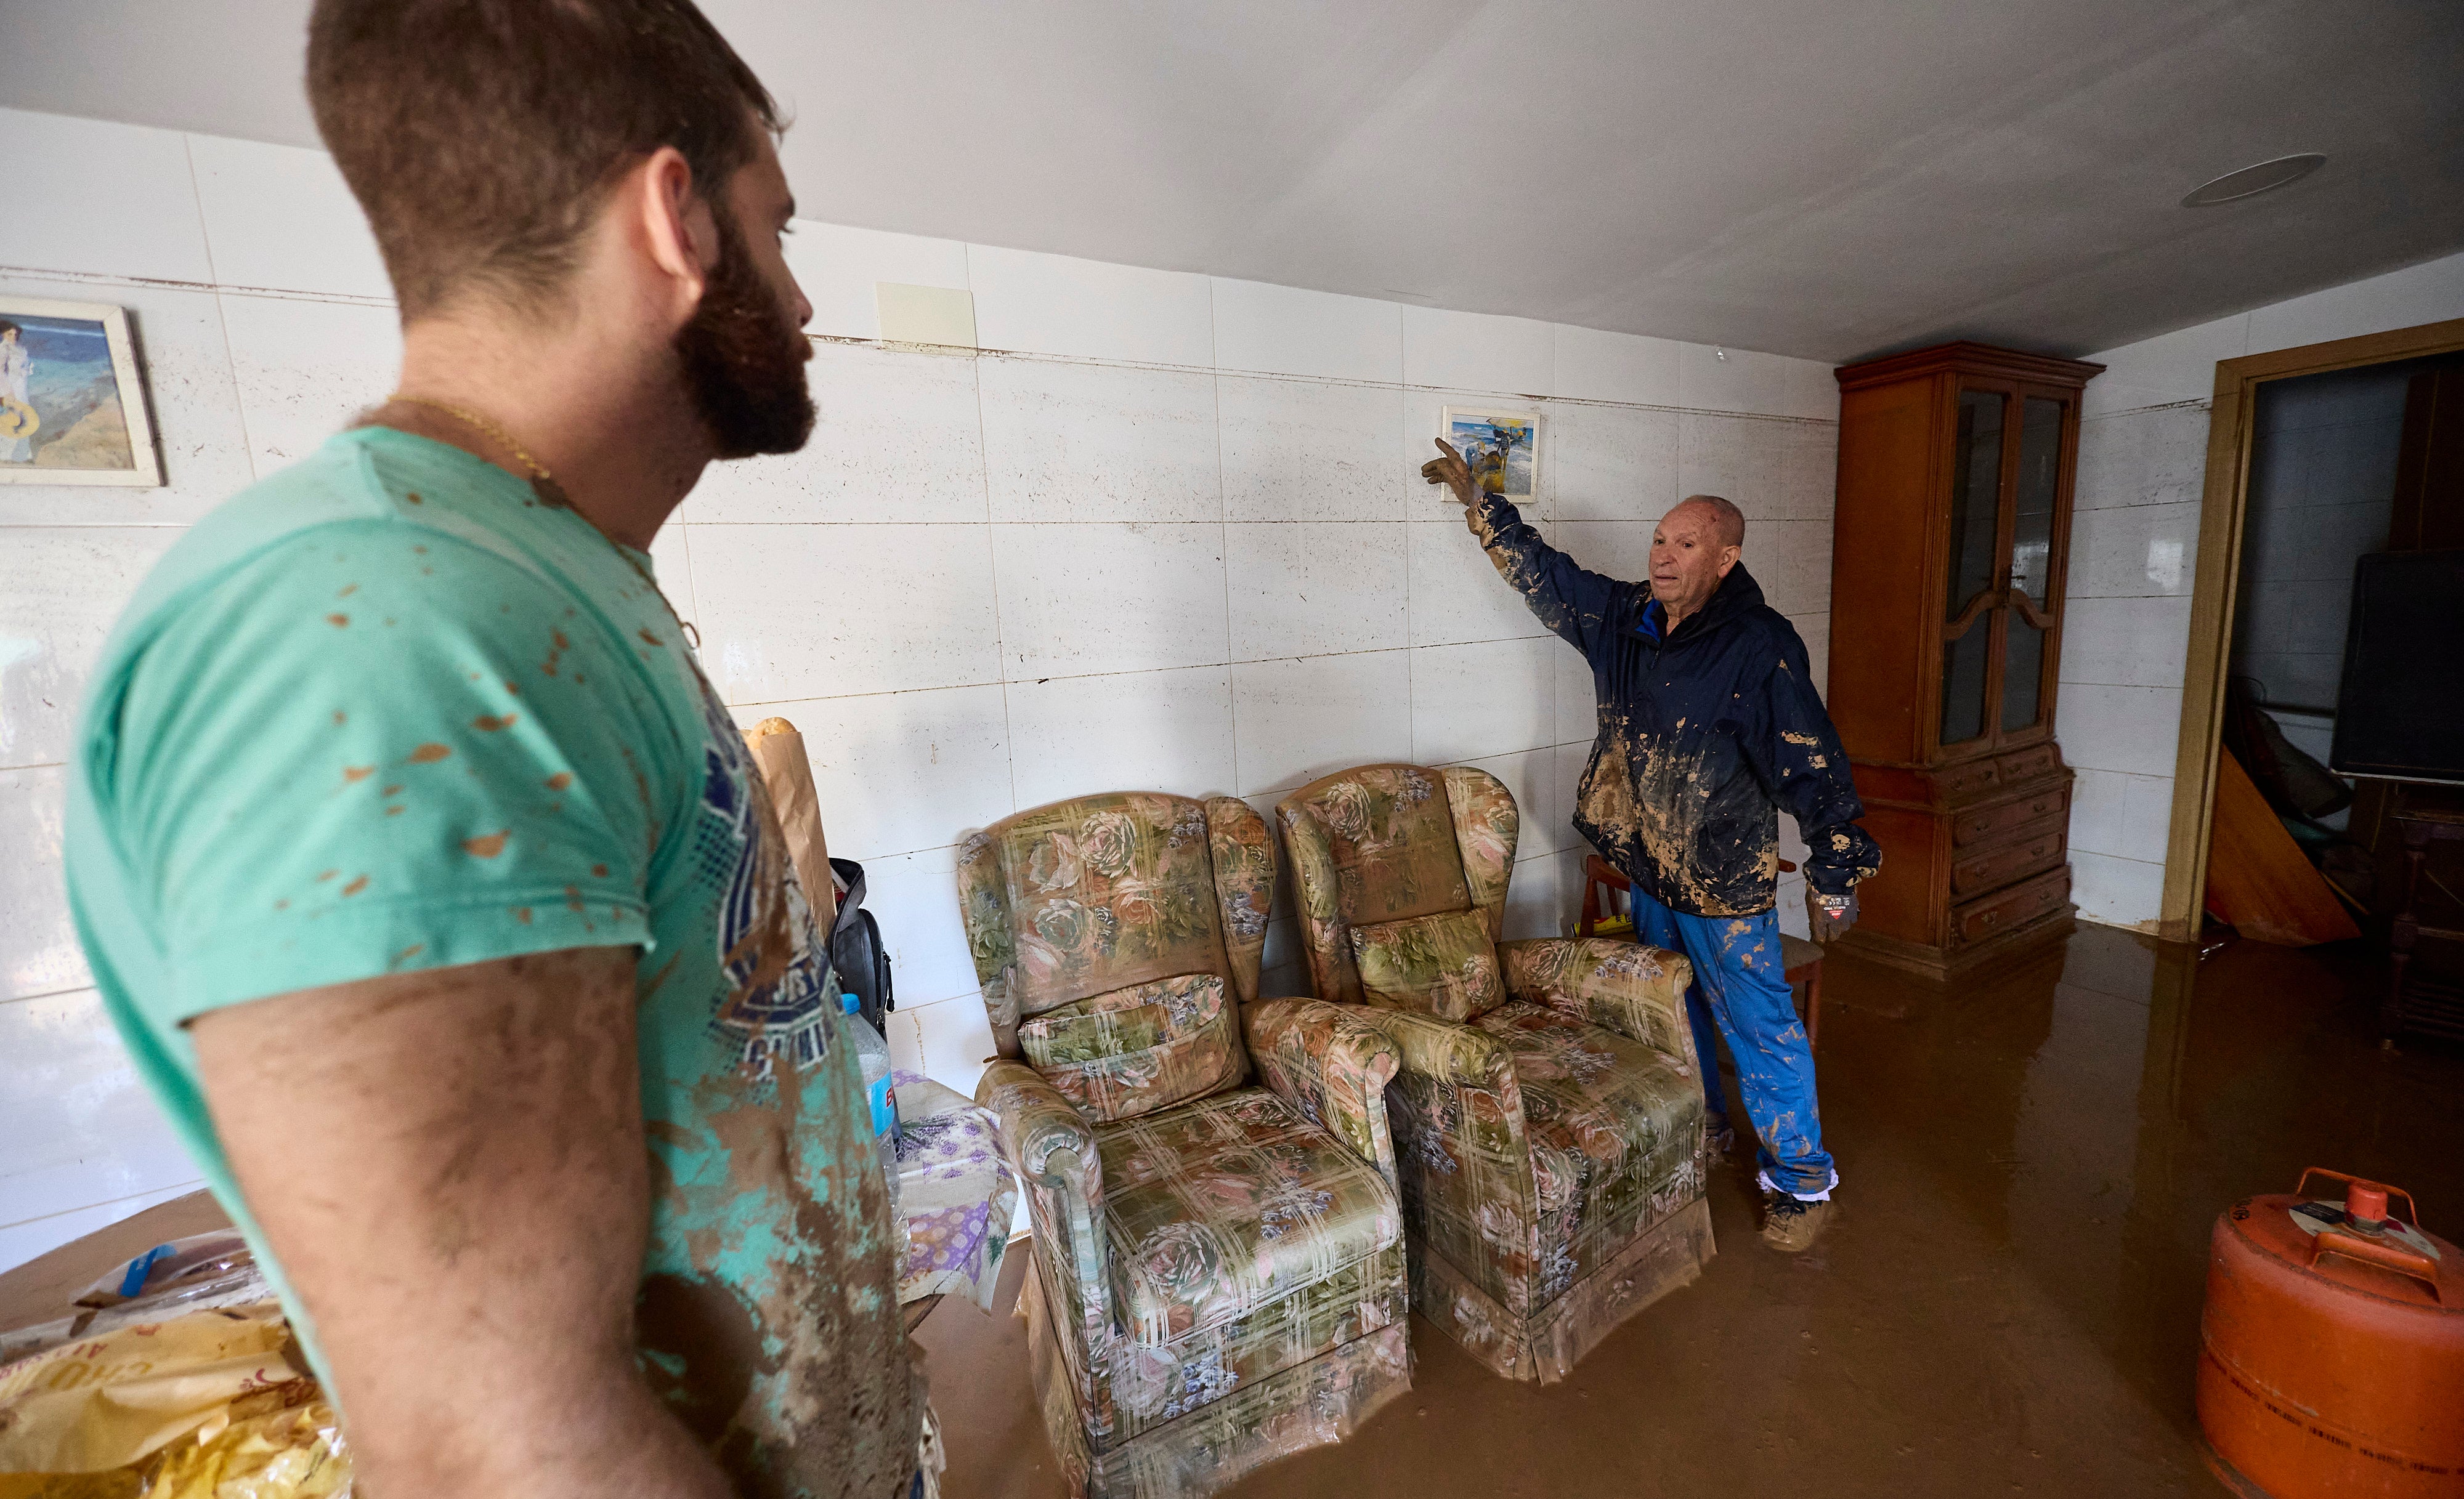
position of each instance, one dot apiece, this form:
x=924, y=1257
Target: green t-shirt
x=389, y=709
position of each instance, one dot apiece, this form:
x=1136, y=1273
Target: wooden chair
x=1604, y=915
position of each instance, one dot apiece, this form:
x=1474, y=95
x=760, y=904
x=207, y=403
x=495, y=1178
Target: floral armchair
x=1548, y=1123
x=1219, y=1268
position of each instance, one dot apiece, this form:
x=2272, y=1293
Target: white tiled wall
x=2134, y=554
x=1166, y=532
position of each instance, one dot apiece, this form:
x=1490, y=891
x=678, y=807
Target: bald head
x=1692, y=549
x=1727, y=522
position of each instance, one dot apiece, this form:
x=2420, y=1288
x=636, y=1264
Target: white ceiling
x=1823, y=178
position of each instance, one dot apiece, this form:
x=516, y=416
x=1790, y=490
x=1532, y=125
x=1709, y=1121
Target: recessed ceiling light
x=2250, y=181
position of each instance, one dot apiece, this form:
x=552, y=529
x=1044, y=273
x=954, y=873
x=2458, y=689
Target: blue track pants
x=1740, y=984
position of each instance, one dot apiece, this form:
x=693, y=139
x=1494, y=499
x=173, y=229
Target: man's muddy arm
x=449, y=1166
x=1800, y=760
x=1571, y=600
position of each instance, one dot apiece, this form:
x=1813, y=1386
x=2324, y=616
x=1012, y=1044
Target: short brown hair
x=481, y=136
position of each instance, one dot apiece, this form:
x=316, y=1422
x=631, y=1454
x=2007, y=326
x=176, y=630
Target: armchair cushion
x=1624, y=986
x=1444, y=965
x=1216, y=1209
x=1612, y=1127
x=1389, y=834
x=1083, y=897
x=1137, y=1049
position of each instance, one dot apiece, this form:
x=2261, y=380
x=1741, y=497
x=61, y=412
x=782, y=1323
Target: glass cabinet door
x=1972, y=576
x=2029, y=618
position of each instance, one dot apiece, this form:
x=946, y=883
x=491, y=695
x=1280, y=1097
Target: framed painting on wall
x=1501, y=447
x=72, y=406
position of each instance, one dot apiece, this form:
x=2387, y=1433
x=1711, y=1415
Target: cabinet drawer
x=1980, y=823
x=2040, y=845
x=2004, y=909
x=2026, y=765
x=1966, y=782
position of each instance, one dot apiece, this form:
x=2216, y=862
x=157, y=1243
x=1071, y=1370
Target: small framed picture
x=1501, y=447
x=72, y=406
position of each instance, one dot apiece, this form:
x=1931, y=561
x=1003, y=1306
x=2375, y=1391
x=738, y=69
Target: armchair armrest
x=1053, y=1151
x=1443, y=1052
x=1333, y=1066
x=1636, y=991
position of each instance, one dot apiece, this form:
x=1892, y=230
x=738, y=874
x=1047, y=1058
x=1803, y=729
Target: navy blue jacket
x=1703, y=736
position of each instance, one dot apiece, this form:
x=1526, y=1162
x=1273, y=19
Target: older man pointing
x=1708, y=725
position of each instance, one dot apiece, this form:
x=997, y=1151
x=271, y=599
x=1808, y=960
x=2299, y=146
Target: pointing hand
x=1450, y=471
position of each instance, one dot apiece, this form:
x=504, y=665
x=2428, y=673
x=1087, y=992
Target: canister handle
x=2412, y=1213
x=2385, y=1256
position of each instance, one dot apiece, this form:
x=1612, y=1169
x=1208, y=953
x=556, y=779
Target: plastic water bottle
x=873, y=1058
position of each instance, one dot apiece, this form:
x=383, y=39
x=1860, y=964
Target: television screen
x=2400, y=711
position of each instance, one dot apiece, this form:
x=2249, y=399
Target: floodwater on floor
x=2007, y=1301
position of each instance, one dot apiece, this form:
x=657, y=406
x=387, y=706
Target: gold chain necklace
x=550, y=492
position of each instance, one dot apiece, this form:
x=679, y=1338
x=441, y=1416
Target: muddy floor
x=2009, y=1302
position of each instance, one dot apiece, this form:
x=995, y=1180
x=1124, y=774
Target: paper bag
x=779, y=751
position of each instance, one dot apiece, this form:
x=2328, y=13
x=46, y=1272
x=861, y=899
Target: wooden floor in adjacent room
x=2009, y=1302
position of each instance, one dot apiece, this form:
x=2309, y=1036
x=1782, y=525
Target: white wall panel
x=280, y=216
x=1610, y=462
x=60, y=589
x=2127, y=729
x=38, y=945
x=1596, y=365
x=898, y=772
x=1457, y=595
x=1739, y=380
x=1098, y=442
x=1297, y=719
x=790, y=612
x=100, y=199
x=79, y=1127
x=1304, y=450
x=1035, y=303
x=1285, y=330
x=2136, y=552
x=1471, y=351
x=837, y=267
x=1307, y=588
x=305, y=369
x=1472, y=701
x=1144, y=731
x=2126, y=642
x=1110, y=597
x=898, y=437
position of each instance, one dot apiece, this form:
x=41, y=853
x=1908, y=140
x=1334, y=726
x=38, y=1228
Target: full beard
x=742, y=358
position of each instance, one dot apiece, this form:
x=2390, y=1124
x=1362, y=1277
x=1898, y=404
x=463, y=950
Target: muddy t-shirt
x=392, y=708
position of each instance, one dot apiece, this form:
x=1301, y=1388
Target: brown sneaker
x=1791, y=1225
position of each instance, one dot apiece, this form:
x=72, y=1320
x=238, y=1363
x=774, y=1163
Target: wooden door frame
x=2222, y=509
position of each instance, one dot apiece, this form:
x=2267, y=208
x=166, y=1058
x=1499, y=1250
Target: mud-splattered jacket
x=1705, y=735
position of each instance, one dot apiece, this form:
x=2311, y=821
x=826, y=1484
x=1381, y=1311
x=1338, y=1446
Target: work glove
x=1827, y=917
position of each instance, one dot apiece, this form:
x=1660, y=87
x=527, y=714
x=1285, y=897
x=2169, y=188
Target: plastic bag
x=180, y=1266
x=208, y=1405
x=197, y=1273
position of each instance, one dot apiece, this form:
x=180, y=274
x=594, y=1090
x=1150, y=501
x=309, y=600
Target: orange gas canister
x=2331, y=1351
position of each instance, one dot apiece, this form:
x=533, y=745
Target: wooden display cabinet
x=1949, y=546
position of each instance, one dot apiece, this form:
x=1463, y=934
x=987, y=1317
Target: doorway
x=2316, y=455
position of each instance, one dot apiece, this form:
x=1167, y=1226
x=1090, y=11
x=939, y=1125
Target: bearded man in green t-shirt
x=430, y=884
